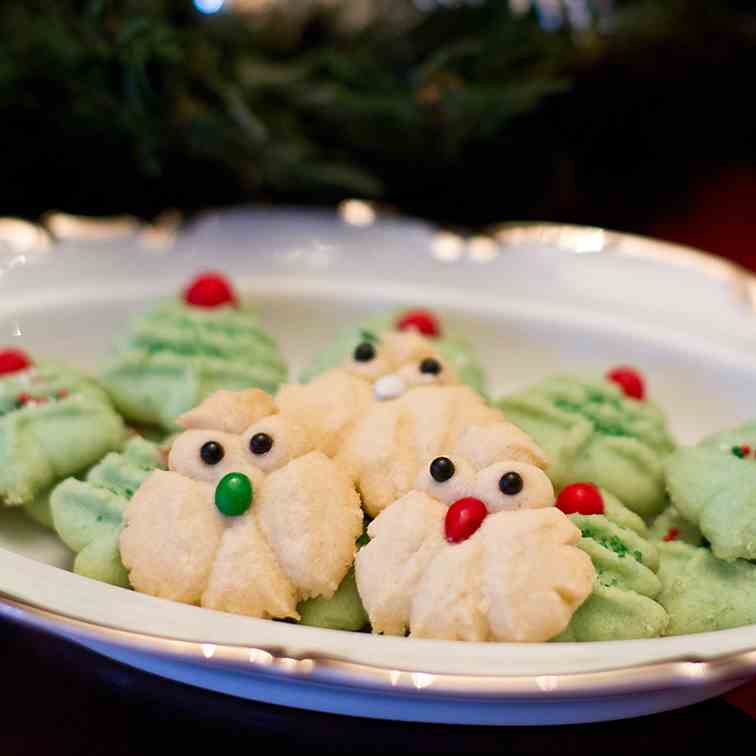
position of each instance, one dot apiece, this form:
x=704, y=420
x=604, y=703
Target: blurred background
x=631, y=114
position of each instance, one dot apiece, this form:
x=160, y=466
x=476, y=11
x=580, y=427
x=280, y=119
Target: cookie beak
x=389, y=387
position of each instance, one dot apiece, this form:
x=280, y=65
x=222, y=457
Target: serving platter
x=534, y=298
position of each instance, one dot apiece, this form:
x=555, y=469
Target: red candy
x=13, y=360
x=671, y=534
x=210, y=290
x=580, y=498
x=463, y=518
x=629, y=380
x=423, y=321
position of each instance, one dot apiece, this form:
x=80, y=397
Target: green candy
x=623, y=604
x=590, y=431
x=452, y=348
x=713, y=487
x=175, y=355
x=233, y=494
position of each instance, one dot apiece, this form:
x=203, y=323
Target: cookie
x=474, y=554
x=248, y=519
x=54, y=422
x=389, y=445
x=591, y=430
x=88, y=514
x=713, y=486
x=702, y=593
x=623, y=604
x=455, y=354
x=179, y=352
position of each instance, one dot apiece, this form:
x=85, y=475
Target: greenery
x=465, y=114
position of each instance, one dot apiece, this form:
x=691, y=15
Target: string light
x=208, y=7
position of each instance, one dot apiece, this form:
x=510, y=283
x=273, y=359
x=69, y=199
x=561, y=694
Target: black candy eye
x=212, y=453
x=510, y=483
x=441, y=469
x=260, y=443
x=364, y=352
x=431, y=366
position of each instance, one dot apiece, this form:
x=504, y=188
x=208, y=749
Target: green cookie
x=454, y=349
x=622, y=605
x=88, y=514
x=54, y=422
x=175, y=355
x=713, y=486
x=591, y=431
x=703, y=593
x=344, y=610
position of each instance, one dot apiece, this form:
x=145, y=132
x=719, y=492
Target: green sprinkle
x=368, y=336
x=738, y=451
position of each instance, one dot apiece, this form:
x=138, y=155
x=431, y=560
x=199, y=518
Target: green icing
x=714, y=490
x=702, y=593
x=452, y=348
x=88, y=514
x=42, y=443
x=175, y=355
x=623, y=604
x=591, y=432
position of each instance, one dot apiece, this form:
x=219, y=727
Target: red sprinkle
x=62, y=393
x=13, y=360
x=23, y=398
x=423, y=321
x=210, y=290
x=580, y=498
x=671, y=535
x=746, y=450
x=463, y=518
x=629, y=380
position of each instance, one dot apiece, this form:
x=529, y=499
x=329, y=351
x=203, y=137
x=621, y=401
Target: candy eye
x=510, y=483
x=260, y=443
x=364, y=352
x=212, y=453
x=430, y=366
x=441, y=469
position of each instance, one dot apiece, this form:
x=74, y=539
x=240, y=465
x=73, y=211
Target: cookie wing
x=310, y=514
x=404, y=538
x=533, y=577
x=171, y=534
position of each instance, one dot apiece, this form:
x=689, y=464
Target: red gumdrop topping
x=463, y=518
x=13, y=360
x=580, y=498
x=210, y=290
x=423, y=321
x=629, y=380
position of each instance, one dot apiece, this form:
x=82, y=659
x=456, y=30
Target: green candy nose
x=233, y=494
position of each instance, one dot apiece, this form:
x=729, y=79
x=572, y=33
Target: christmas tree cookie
x=474, y=553
x=54, y=422
x=603, y=431
x=88, y=514
x=623, y=604
x=713, y=486
x=376, y=350
x=248, y=519
x=179, y=352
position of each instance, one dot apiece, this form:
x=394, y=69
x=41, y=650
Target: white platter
x=534, y=299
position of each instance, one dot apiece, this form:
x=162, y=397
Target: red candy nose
x=463, y=518
x=13, y=360
x=629, y=380
x=423, y=321
x=209, y=290
x=580, y=498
